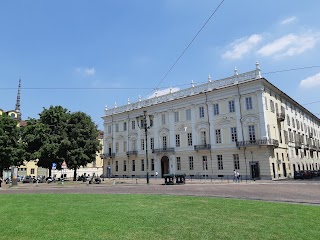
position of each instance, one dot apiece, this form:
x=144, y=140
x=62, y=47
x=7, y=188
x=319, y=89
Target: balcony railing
x=162, y=150
x=202, y=147
x=281, y=117
x=297, y=144
x=130, y=153
x=106, y=155
x=313, y=148
x=258, y=142
x=310, y=135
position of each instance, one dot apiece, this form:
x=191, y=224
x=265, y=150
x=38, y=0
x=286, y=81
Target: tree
x=82, y=144
x=11, y=146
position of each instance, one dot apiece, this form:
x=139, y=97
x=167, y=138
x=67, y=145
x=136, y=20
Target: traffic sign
x=54, y=166
x=64, y=165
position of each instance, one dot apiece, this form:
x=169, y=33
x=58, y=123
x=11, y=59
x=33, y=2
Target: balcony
x=106, y=155
x=281, y=117
x=130, y=153
x=310, y=135
x=202, y=147
x=162, y=150
x=297, y=144
x=258, y=142
x=313, y=148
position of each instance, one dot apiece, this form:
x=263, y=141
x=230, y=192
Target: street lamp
x=142, y=124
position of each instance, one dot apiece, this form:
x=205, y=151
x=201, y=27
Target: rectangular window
x=204, y=163
x=32, y=171
x=176, y=116
x=124, y=165
x=231, y=106
x=124, y=126
x=236, y=162
x=188, y=114
x=177, y=140
x=191, y=163
x=125, y=146
x=203, y=137
x=134, y=145
x=109, y=128
x=178, y=163
x=152, y=164
x=142, y=144
x=233, y=134
x=220, y=162
x=133, y=125
x=152, y=143
x=252, y=134
x=142, y=164
x=271, y=106
x=266, y=102
x=201, y=112
x=164, y=141
x=117, y=166
x=218, y=135
x=189, y=139
x=117, y=127
x=216, y=109
x=133, y=165
x=117, y=147
x=248, y=103
x=163, y=119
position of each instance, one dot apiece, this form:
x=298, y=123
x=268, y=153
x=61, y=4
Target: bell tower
x=18, y=101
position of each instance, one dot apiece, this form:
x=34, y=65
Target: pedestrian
x=234, y=176
x=156, y=174
x=0, y=181
x=238, y=176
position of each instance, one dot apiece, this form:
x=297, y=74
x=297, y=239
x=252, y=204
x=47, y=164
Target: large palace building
x=241, y=123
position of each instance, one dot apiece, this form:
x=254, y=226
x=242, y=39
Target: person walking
x=156, y=174
x=234, y=176
x=238, y=177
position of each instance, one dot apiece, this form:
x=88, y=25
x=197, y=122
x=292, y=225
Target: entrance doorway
x=255, y=171
x=164, y=165
x=284, y=169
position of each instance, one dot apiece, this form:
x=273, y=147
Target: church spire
x=18, y=102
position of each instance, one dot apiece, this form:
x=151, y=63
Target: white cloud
x=242, y=46
x=313, y=81
x=288, y=20
x=290, y=45
x=163, y=92
x=86, y=71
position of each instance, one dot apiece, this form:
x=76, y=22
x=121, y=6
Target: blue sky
x=130, y=45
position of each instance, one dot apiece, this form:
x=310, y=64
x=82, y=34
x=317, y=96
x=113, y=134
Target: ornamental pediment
x=163, y=130
x=201, y=125
x=249, y=119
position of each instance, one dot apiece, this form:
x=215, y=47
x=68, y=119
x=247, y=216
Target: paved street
x=307, y=192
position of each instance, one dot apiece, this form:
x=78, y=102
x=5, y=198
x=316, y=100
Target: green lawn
x=75, y=216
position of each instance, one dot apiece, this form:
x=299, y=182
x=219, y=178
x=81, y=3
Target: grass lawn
x=75, y=216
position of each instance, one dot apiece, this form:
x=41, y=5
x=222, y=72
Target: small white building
x=241, y=123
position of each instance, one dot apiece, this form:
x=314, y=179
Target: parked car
x=27, y=179
x=298, y=175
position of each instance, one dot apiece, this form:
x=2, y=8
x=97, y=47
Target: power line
x=311, y=103
x=292, y=69
x=190, y=43
x=77, y=88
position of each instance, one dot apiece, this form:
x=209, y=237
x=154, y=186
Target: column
x=238, y=117
x=155, y=130
x=171, y=129
x=261, y=107
x=193, y=123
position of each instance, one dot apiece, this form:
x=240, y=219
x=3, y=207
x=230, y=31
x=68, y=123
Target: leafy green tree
x=11, y=146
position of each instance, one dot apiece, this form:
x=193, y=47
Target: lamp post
x=143, y=125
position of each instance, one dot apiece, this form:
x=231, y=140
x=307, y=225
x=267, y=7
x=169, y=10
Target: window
x=163, y=119
x=117, y=166
x=220, y=163
x=134, y=145
x=201, y=112
x=191, y=163
x=188, y=114
x=152, y=164
x=216, y=109
x=117, y=147
x=204, y=163
x=142, y=144
x=117, y=127
x=142, y=165
x=164, y=141
x=288, y=120
x=266, y=102
x=231, y=106
x=133, y=125
x=32, y=171
x=233, y=134
x=298, y=125
x=124, y=126
x=218, y=135
x=189, y=139
x=271, y=106
x=176, y=116
x=293, y=123
x=124, y=165
x=125, y=146
x=152, y=143
x=252, y=134
x=178, y=159
x=248, y=103
x=203, y=137
x=236, y=162
x=133, y=165
x=177, y=140
x=109, y=128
